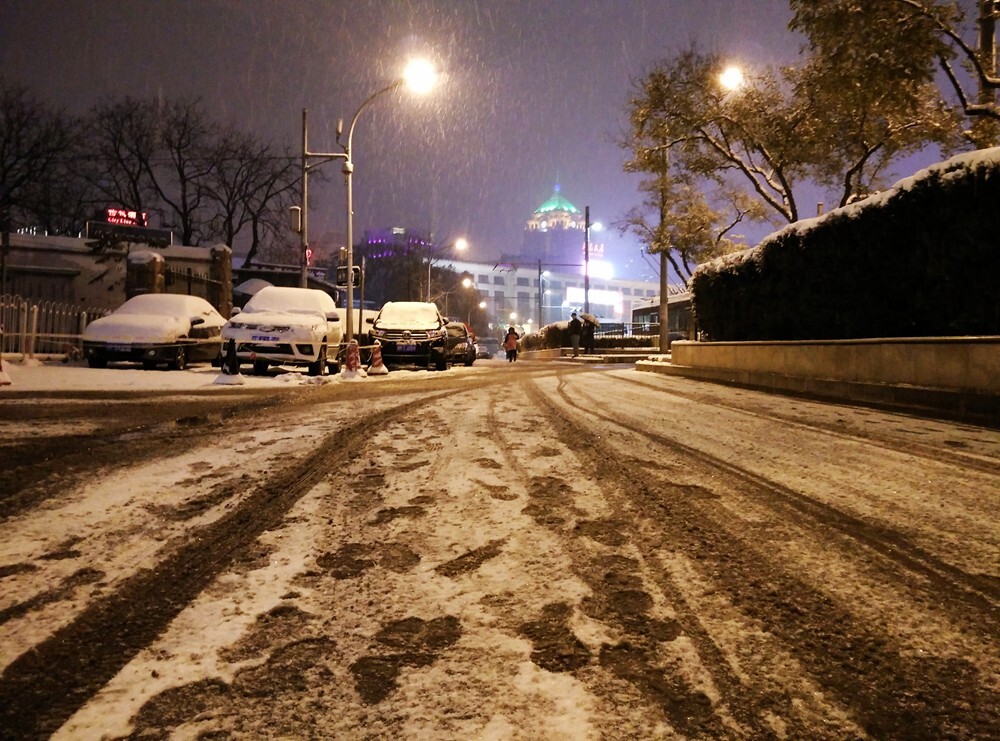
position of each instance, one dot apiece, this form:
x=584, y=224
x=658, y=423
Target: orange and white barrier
x=377, y=367
x=352, y=363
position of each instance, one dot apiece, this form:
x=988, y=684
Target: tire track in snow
x=43, y=687
x=891, y=694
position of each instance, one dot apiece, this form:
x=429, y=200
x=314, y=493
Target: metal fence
x=191, y=283
x=43, y=327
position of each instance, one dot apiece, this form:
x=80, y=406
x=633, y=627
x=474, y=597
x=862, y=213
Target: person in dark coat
x=575, y=327
x=588, y=336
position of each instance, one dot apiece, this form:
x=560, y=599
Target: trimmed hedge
x=919, y=260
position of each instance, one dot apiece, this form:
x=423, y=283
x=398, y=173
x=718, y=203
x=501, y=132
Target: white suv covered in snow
x=286, y=326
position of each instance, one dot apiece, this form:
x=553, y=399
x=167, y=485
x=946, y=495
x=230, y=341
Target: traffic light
x=342, y=276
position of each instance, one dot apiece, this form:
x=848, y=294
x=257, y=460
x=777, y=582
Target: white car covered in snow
x=286, y=326
x=154, y=329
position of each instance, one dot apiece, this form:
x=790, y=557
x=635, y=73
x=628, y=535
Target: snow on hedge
x=955, y=168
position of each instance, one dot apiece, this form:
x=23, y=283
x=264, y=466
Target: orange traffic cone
x=4, y=378
x=377, y=367
x=352, y=365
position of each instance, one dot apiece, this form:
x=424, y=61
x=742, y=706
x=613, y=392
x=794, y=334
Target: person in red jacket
x=510, y=344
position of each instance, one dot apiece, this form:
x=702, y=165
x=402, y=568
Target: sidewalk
x=954, y=404
x=966, y=406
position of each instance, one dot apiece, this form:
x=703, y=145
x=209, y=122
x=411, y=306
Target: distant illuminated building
x=555, y=235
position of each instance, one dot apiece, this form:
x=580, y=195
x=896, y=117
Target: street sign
x=342, y=276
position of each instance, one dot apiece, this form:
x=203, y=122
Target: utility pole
x=586, y=259
x=664, y=262
x=304, y=217
x=540, y=294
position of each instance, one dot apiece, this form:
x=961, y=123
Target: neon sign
x=125, y=217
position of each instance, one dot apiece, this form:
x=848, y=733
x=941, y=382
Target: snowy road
x=500, y=552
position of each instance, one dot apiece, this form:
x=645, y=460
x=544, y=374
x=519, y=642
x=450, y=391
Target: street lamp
x=542, y=276
x=419, y=76
x=731, y=78
x=459, y=245
x=482, y=307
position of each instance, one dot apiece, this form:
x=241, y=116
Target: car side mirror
x=332, y=316
x=196, y=320
x=236, y=310
x=369, y=320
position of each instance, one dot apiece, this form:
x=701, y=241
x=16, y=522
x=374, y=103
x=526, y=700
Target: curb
x=951, y=404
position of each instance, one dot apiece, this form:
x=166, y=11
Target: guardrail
x=43, y=327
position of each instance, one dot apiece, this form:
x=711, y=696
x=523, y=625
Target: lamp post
x=466, y=283
x=482, y=307
x=419, y=76
x=460, y=245
x=542, y=275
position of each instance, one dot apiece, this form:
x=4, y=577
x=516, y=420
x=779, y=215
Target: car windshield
x=408, y=314
x=295, y=300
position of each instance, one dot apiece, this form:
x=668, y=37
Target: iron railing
x=44, y=327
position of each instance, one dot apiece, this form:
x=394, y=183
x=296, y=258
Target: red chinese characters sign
x=125, y=217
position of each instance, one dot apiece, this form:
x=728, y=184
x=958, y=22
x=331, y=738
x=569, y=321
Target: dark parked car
x=154, y=329
x=461, y=344
x=487, y=347
x=411, y=333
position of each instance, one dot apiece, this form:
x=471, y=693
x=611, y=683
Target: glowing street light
x=419, y=76
x=731, y=78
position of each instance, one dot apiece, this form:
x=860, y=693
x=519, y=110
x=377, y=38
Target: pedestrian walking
x=588, y=336
x=575, y=327
x=510, y=344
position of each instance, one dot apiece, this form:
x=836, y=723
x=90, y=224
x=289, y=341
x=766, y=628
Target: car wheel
x=97, y=362
x=180, y=359
x=317, y=368
x=260, y=367
x=440, y=363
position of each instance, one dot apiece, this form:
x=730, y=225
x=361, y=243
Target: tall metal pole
x=361, y=298
x=348, y=172
x=304, y=223
x=586, y=259
x=664, y=308
x=430, y=259
x=540, y=294
x=664, y=258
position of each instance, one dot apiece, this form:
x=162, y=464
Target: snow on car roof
x=295, y=300
x=409, y=313
x=167, y=304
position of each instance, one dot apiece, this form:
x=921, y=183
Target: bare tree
x=124, y=137
x=249, y=185
x=185, y=141
x=34, y=141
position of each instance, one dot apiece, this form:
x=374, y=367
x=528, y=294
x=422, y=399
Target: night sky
x=533, y=91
